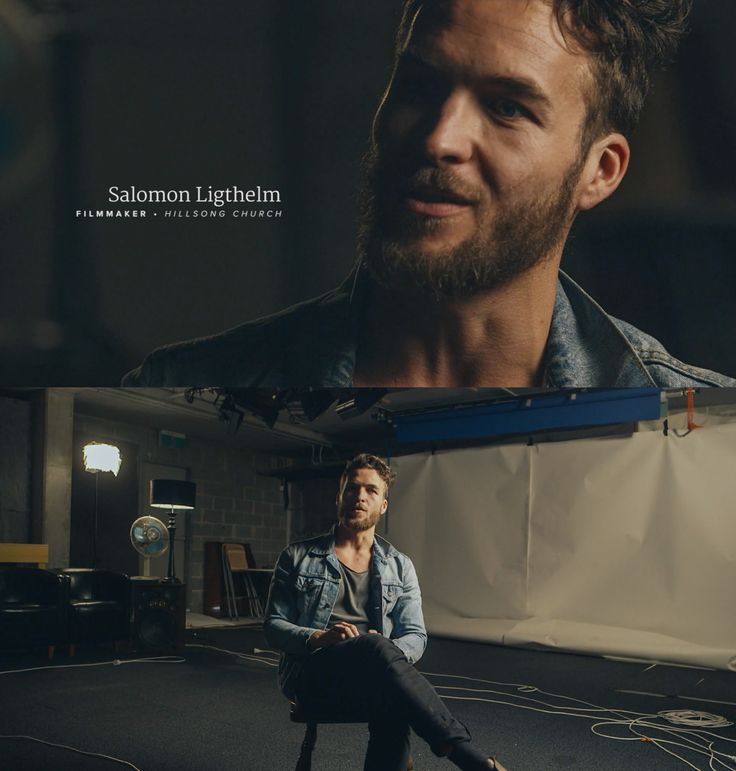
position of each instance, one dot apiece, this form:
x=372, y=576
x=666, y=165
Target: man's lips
x=434, y=209
x=433, y=202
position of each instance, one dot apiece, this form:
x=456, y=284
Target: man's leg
x=370, y=673
x=388, y=746
x=337, y=681
x=407, y=693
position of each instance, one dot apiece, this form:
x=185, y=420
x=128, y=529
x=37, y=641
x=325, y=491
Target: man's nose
x=451, y=130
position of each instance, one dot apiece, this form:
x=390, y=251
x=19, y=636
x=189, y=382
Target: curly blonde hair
x=365, y=460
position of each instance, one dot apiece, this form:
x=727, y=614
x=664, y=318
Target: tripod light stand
x=99, y=458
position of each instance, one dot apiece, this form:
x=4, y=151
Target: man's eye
x=506, y=108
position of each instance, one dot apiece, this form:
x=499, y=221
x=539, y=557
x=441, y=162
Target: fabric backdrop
x=620, y=546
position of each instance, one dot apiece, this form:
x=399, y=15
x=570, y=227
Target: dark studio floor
x=217, y=711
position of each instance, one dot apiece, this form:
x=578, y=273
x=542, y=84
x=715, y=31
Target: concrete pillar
x=15, y=470
x=53, y=478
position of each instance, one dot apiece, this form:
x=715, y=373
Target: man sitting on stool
x=346, y=611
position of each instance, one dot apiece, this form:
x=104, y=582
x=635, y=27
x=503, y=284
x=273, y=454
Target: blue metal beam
x=527, y=415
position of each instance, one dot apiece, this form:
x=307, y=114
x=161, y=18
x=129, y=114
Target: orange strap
x=691, y=425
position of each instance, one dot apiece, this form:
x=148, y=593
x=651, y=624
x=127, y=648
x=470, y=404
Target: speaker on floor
x=158, y=615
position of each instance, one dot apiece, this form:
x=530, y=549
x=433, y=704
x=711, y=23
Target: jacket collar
x=324, y=546
x=585, y=348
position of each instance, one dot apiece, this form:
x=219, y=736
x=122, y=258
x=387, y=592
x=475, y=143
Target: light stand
x=171, y=527
x=176, y=495
x=98, y=458
x=94, y=521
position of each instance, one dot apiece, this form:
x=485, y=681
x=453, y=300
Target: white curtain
x=622, y=546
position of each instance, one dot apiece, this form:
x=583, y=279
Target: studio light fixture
x=100, y=458
x=175, y=495
x=359, y=400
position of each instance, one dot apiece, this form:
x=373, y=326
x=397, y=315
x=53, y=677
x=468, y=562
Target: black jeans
x=370, y=675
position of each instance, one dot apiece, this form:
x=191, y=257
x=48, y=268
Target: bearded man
x=346, y=611
x=502, y=120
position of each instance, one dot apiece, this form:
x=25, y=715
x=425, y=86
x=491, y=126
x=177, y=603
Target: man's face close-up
x=362, y=499
x=477, y=148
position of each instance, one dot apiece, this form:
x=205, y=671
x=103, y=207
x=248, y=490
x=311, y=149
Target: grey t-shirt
x=353, y=594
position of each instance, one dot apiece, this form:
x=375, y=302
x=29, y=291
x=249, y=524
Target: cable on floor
x=114, y=662
x=683, y=725
x=74, y=749
x=267, y=662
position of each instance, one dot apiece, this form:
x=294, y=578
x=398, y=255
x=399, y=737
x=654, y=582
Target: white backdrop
x=622, y=546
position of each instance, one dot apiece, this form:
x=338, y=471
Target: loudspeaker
x=158, y=615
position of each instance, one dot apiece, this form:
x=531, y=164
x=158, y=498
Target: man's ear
x=608, y=160
x=384, y=505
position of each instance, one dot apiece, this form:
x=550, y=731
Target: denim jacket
x=304, y=590
x=313, y=344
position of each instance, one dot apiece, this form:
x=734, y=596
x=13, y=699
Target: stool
x=299, y=715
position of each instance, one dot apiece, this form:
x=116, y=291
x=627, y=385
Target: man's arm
x=409, y=632
x=279, y=624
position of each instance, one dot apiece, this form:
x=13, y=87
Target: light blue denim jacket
x=304, y=590
x=314, y=344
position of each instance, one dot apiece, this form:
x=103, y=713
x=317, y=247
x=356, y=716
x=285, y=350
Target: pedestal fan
x=150, y=538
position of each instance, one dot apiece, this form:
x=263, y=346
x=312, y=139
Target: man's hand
x=323, y=638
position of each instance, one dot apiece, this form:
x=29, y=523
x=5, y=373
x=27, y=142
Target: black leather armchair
x=32, y=608
x=98, y=606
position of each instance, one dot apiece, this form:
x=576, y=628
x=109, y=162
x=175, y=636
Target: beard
x=507, y=242
x=365, y=523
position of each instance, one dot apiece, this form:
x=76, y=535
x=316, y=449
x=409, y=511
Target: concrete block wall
x=313, y=507
x=234, y=503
